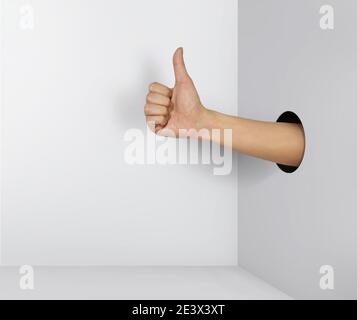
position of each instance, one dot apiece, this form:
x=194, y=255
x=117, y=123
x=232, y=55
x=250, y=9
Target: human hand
x=170, y=110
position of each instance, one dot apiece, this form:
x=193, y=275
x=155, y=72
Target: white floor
x=138, y=283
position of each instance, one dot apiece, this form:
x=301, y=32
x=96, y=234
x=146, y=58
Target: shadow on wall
x=129, y=105
x=252, y=171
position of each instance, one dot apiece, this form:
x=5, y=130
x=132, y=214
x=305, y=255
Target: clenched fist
x=169, y=110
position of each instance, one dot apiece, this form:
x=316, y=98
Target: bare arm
x=172, y=110
x=282, y=143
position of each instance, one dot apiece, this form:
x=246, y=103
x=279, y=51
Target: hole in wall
x=289, y=117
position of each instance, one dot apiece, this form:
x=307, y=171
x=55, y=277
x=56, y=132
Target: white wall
x=291, y=225
x=72, y=86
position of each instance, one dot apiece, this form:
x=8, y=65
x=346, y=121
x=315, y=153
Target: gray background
x=291, y=224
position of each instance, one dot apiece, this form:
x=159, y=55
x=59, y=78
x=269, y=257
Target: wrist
x=207, y=119
x=218, y=122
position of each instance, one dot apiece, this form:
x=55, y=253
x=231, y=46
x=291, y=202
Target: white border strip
x=2, y=24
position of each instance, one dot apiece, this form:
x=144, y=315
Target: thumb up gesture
x=167, y=109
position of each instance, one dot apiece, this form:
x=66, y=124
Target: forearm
x=282, y=143
x=180, y=108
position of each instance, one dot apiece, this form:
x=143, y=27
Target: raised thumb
x=181, y=73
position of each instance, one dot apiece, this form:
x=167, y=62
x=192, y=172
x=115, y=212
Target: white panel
x=72, y=87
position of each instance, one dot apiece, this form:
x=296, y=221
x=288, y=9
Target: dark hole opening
x=289, y=117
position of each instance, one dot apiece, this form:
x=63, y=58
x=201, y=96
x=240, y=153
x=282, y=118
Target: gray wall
x=291, y=224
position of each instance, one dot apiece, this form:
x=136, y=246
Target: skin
x=169, y=110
